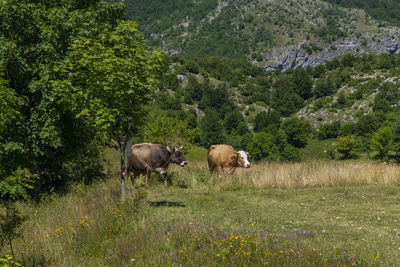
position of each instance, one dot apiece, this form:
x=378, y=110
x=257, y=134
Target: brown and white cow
x=224, y=157
x=146, y=158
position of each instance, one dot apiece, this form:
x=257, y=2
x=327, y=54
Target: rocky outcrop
x=314, y=53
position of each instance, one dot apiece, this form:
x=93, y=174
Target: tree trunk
x=11, y=247
x=123, y=186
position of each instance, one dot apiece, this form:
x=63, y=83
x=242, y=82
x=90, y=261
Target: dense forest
x=386, y=10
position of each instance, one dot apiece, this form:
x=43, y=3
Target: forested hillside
x=250, y=29
x=272, y=115
x=386, y=10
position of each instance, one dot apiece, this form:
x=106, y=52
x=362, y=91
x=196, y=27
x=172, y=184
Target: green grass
x=315, y=149
x=205, y=219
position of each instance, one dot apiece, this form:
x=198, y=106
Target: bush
x=381, y=142
x=296, y=130
x=262, y=145
x=328, y=131
x=345, y=145
x=290, y=153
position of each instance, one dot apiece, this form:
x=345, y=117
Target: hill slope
x=301, y=32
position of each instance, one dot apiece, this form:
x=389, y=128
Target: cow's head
x=243, y=159
x=177, y=156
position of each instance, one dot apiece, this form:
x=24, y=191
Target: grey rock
x=297, y=56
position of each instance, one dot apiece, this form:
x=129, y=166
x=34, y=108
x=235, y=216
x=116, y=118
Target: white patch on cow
x=161, y=170
x=244, y=157
x=183, y=163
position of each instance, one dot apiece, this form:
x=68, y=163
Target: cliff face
x=301, y=56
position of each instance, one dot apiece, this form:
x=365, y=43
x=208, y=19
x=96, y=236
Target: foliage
x=212, y=131
x=108, y=79
x=387, y=97
x=264, y=119
x=367, y=124
x=396, y=135
x=290, y=153
x=215, y=98
x=38, y=134
x=170, y=131
x=381, y=141
x=383, y=9
x=302, y=83
x=345, y=145
x=296, y=130
x=328, y=131
x=284, y=99
x=233, y=119
x=8, y=261
x=324, y=87
x=12, y=188
x=262, y=145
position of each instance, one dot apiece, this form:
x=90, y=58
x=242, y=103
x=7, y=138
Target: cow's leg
x=230, y=170
x=165, y=179
x=148, y=174
x=133, y=176
x=221, y=169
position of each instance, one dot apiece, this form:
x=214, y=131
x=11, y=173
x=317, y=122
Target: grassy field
x=317, y=213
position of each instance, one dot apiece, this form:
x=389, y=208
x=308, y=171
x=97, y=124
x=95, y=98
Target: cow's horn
x=181, y=147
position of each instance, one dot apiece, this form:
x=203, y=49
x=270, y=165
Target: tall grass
x=298, y=175
x=271, y=214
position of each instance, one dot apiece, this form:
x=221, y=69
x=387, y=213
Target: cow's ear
x=235, y=157
x=170, y=150
x=248, y=156
x=180, y=148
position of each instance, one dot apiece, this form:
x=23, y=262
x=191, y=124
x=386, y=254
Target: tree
x=40, y=135
x=264, y=119
x=233, y=119
x=367, y=124
x=381, y=141
x=165, y=130
x=212, y=130
x=12, y=188
x=108, y=80
x=284, y=99
x=396, y=135
x=345, y=145
x=324, y=87
x=296, y=131
x=327, y=131
x=262, y=145
x=302, y=83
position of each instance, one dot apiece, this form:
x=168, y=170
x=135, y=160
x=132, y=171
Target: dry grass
x=304, y=174
x=312, y=220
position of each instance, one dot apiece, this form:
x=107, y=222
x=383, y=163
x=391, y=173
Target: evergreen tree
x=302, y=83
x=296, y=131
x=212, y=130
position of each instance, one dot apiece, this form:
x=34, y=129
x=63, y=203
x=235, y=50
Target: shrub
x=345, y=145
x=296, y=130
x=381, y=142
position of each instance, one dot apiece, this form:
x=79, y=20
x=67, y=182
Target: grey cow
x=146, y=158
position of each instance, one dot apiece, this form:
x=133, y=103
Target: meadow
x=315, y=213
